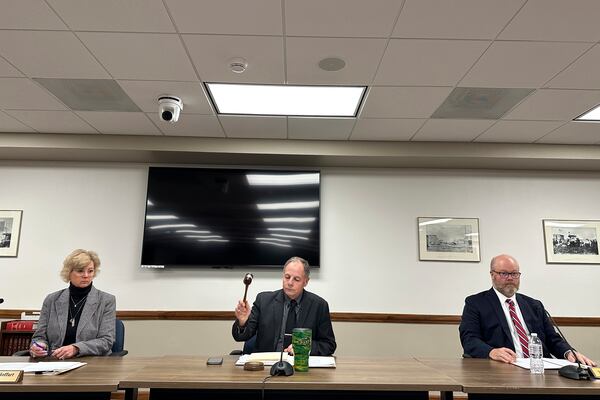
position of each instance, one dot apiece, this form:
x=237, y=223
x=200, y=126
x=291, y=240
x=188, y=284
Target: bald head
x=502, y=260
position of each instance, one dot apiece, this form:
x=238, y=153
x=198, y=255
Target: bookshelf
x=12, y=341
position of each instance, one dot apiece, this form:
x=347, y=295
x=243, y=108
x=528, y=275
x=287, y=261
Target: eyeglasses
x=505, y=275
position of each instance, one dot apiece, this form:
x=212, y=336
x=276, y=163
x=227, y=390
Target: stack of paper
x=270, y=358
x=44, y=367
x=549, y=363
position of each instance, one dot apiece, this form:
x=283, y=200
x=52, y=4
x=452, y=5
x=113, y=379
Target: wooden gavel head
x=248, y=279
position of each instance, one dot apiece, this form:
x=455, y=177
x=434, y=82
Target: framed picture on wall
x=448, y=239
x=571, y=241
x=10, y=227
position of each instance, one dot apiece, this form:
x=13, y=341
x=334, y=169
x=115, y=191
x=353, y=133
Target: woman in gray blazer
x=78, y=320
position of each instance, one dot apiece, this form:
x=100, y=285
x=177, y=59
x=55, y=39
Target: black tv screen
x=199, y=217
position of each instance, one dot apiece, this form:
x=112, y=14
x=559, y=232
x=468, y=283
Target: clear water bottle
x=536, y=354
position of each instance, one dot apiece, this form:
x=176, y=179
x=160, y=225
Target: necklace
x=75, y=305
x=76, y=312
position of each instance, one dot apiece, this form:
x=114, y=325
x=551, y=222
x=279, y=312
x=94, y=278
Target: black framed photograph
x=571, y=241
x=448, y=239
x=10, y=228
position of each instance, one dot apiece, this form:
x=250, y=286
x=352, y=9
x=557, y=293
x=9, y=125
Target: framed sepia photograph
x=10, y=227
x=571, y=241
x=448, y=239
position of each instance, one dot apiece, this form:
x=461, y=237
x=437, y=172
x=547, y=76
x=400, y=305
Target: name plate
x=595, y=371
x=11, y=376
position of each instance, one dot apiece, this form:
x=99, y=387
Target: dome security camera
x=169, y=108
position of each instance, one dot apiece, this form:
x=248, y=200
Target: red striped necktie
x=519, y=328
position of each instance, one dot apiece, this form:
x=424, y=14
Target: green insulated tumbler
x=301, y=342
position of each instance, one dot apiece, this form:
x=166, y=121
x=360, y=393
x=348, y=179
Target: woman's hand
x=38, y=349
x=69, y=351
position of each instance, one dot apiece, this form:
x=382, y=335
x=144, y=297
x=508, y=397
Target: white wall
x=369, y=238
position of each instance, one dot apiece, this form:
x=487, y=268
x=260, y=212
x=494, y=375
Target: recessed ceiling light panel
x=592, y=115
x=289, y=100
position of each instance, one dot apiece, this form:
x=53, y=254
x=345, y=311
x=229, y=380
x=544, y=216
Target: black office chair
x=118, y=344
x=248, y=347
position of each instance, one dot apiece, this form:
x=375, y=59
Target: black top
x=77, y=298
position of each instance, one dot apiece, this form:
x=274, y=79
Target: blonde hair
x=78, y=260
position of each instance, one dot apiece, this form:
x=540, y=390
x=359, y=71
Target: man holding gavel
x=275, y=314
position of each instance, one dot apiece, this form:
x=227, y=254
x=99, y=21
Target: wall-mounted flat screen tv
x=222, y=218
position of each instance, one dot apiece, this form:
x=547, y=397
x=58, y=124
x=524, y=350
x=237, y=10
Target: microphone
x=247, y=281
x=1, y=300
x=282, y=367
x=569, y=371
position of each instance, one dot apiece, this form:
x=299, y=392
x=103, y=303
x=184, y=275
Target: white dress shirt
x=511, y=326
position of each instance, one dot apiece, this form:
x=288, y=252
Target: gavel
x=247, y=281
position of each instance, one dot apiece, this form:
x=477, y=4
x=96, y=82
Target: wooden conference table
x=487, y=379
x=354, y=377
x=96, y=380
x=370, y=378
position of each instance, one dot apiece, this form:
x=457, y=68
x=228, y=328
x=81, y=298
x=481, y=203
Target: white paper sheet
x=549, y=363
x=273, y=357
x=45, y=367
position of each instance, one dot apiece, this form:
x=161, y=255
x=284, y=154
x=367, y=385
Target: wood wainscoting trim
x=431, y=319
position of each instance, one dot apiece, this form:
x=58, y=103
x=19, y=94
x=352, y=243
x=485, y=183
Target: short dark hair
x=300, y=260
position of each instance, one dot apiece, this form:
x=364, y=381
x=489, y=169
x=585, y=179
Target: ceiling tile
x=386, y=129
x=28, y=14
x=256, y=17
x=361, y=56
x=522, y=64
x=53, y=121
x=555, y=105
x=145, y=95
x=120, y=123
x=254, y=127
x=517, y=131
x=114, y=15
x=417, y=62
x=403, y=102
x=582, y=74
x=140, y=55
x=9, y=124
x=49, y=55
x=23, y=94
x=574, y=133
x=7, y=70
x=320, y=128
x=342, y=18
x=573, y=20
x=211, y=55
x=457, y=19
x=190, y=125
x=455, y=130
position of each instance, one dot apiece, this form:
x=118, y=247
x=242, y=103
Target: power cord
x=262, y=392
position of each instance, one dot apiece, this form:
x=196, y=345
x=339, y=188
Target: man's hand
x=69, y=351
x=289, y=350
x=242, y=312
x=582, y=358
x=503, y=354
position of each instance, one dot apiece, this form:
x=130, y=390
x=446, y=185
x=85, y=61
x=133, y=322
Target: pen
x=39, y=346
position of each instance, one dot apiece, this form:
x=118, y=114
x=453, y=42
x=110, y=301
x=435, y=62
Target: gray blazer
x=95, y=331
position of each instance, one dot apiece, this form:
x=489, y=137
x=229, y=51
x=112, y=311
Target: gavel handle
x=245, y=293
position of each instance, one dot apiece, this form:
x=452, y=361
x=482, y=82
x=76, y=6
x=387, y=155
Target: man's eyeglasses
x=505, y=275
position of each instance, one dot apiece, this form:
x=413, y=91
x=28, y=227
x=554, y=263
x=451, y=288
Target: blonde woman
x=78, y=320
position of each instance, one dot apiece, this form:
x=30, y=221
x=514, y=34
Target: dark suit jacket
x=95, y=331
x=266, y=316
x=483, y=326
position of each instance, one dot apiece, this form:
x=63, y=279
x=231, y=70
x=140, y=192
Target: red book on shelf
x=20, y=325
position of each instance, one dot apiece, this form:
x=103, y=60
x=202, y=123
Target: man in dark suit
x=278, y=312
x=496, y=323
